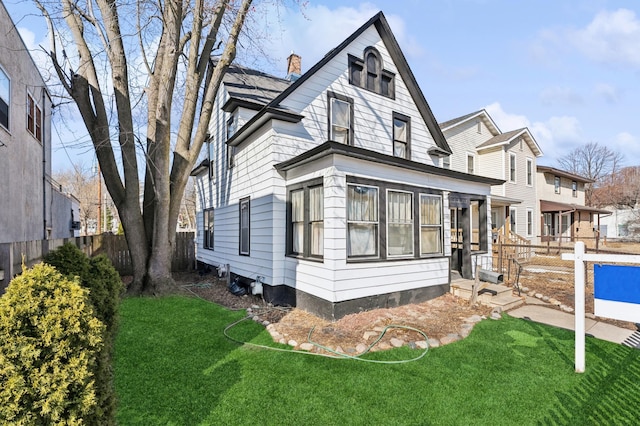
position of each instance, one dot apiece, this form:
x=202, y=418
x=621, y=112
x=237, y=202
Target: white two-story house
x=479, y=147
x=327, y=187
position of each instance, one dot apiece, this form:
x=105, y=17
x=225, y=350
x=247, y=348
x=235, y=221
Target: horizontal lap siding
x=372, y=112
x=521, y=191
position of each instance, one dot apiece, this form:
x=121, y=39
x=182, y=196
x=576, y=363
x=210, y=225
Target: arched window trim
x=372, y=78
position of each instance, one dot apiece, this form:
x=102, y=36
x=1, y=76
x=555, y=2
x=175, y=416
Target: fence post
x=580, y=306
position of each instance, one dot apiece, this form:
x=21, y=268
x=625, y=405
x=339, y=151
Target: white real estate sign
x=616, y=292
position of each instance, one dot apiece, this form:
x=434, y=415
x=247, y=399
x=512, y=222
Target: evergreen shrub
x=50, y=340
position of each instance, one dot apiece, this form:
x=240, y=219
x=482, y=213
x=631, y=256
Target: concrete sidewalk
x=557, y=318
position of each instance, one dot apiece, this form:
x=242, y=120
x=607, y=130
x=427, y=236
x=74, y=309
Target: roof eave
x=335, y=148
x=260, y=119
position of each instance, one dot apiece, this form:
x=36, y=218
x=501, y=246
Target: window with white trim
x=245, y=227
x=512, y=167
x=470, y=163
x=5, y=99
x=399, y=223
x=574, y=189
x=362, y=221
x=556, y=184
x=529, y=222
x=430, y=224
x=529, y=172
x=446, y=162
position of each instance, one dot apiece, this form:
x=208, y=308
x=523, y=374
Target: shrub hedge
x=50, y=341
x=98, y=275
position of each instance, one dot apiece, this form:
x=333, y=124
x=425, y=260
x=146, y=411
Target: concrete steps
x=494, y=295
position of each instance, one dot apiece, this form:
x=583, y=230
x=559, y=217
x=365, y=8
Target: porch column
x=467, y=268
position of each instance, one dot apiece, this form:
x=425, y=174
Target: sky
x=569, y=71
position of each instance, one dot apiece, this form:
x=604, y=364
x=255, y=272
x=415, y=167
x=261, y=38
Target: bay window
x=430, y=224
x=362, y=221
x=305, y=213
x=399, y=223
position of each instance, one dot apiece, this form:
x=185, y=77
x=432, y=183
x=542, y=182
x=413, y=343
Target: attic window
x=368, y=73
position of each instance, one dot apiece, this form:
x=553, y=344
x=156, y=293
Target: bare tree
x=593, y=161
x=167, y=47
x=82, y=182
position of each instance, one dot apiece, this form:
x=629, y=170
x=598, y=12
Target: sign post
x=620, y=296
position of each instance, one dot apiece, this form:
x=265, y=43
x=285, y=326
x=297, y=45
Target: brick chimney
x=294, y=67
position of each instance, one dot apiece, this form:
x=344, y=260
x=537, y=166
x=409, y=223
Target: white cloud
x=556, y=136
x=35, y=50
x=560, y=95
x=610, y=37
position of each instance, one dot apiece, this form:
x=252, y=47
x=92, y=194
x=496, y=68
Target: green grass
x=174, y=367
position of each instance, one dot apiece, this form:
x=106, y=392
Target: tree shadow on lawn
x=172, y=363
x=608, y=392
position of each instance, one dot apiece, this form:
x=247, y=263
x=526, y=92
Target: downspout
x=44, y=169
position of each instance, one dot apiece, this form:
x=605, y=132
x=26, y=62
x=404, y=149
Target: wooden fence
x=113, y=246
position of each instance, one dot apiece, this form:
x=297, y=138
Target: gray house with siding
x=32, y=206
x=326, y=186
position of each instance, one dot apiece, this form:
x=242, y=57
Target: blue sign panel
x=617, y=283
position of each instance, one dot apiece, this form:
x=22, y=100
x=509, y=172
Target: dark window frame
x=407, y=120
x=305, y=187
x=208, y=224
x=244, y=251
x=383, y=82
x=557, y=184
x=332, y=95
x=574, y=189
x=383, y=187
x=5, y=104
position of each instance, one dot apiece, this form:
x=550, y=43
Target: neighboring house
x=30, y=207
x=564, y=217
x=621, y=223
x=479, y=147
x=326, y=186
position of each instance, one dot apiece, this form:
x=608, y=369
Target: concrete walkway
x=546, y=315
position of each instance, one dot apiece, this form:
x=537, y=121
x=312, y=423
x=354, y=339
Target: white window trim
x=530, y=232
x=530, y=169
x=513, y=218
x=557, y=190
x=475, y=163
x=513, y=157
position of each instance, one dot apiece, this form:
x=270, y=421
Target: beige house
x=563, y=214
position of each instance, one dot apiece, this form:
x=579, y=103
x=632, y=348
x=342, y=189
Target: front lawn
x=174, y=366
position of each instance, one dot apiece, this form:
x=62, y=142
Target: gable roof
x=382, y=26
x=482, y=114
x=508, y=137
x=251, y=88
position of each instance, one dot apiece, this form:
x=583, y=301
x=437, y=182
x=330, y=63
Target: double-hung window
x=529, y=222
x=245, y=227
x=399, y=223
x=306, y=223
x=207, y=240
x=362, y=221
x=5, y=99
x=556, y=184
x=340, y=118
x=512, y=168
x=430, y=224
x=574, y=189
x=401, y=135
x=34, y=118
x=529, y=172
x=470, y=163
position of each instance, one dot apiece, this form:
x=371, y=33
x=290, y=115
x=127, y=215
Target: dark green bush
x=50, y=341
x=105, y=287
